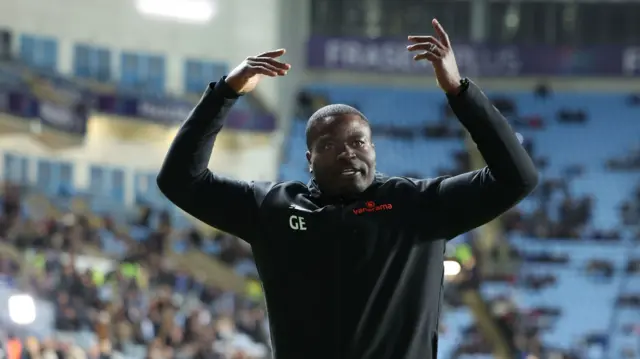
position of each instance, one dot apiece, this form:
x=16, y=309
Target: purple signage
x=167, y=111
x=391, y=56
x=65, y=104
x=70, y=119
x=4, y=101
x=16, y=103
x=171, y=112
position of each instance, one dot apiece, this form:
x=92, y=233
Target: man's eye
x=327, y=146
x=358, y=143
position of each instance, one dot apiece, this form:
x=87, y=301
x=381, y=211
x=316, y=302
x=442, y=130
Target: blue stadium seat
x=575, y=294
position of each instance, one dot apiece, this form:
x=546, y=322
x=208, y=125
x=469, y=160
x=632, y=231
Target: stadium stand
x=109, y=281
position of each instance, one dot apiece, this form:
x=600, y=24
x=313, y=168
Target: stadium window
x=155, y=74
x=143, y=72
x=27, y=49
x=6, y=44
x=199, y=73
x=81, y=61
x=139, y=188
x=44, y=176
x=193, y=76
x=96, y=180
x=49, y=55
x=16, y=168
x=66, y=175
x=103, y=65
x=107, y=183
x=52, y=176
x=117, y=185
x=92, y=62
x=145, y=188
x=40, y=52
x=217, y=70
x=130, y=69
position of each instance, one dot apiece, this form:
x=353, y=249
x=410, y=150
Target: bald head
x=326, y=112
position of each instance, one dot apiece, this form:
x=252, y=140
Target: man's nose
x=346, y=153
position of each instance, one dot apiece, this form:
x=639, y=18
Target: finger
x=273, y=53
x=423, y=39
x=427, y=49
x=263, y=69
x=425, y=46
x=266, y=65
x=426, y=55
x=271, y=68
x=271, y=61
x=442, y=35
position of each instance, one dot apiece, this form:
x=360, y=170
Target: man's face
x=341, y=154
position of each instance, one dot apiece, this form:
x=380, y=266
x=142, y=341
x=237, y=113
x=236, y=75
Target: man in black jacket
x=352, y=263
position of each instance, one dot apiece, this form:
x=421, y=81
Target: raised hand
x=437, y=49
x=246, y=76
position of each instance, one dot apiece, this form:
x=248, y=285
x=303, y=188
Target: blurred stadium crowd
x=137, y=306
x=556, y=277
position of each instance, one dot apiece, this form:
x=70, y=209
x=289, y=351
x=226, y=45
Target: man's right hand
x=246, y=76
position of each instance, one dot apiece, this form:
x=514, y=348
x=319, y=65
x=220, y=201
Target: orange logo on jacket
x=371, y=206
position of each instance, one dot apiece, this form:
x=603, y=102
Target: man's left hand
x=437, y=49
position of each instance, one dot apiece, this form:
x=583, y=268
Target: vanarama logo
x=371, y=206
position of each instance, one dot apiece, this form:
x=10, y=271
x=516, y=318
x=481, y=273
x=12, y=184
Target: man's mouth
x=349, y=172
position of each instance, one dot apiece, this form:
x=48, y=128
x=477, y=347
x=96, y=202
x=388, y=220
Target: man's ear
x=308, y=154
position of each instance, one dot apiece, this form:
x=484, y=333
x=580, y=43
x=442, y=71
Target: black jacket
x=358, y=278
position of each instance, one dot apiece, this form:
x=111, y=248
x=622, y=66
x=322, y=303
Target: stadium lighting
x=22, y=309
x=451, y=268
x=194, y=11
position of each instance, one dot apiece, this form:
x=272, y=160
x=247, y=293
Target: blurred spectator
x=165, y=312
x=600, y=269
x=542, y=91
x=571, y=116
x=506, y=106
x=634, y=99
x=304, y=105
x=538, y=282
x=545, y=257
x=629, y=161
x=629, y=300
x=633, y=267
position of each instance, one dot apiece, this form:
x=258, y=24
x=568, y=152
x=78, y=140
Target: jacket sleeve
x=464, y=202
x=223, y=203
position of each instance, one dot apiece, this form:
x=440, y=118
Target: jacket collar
x=316, y=193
